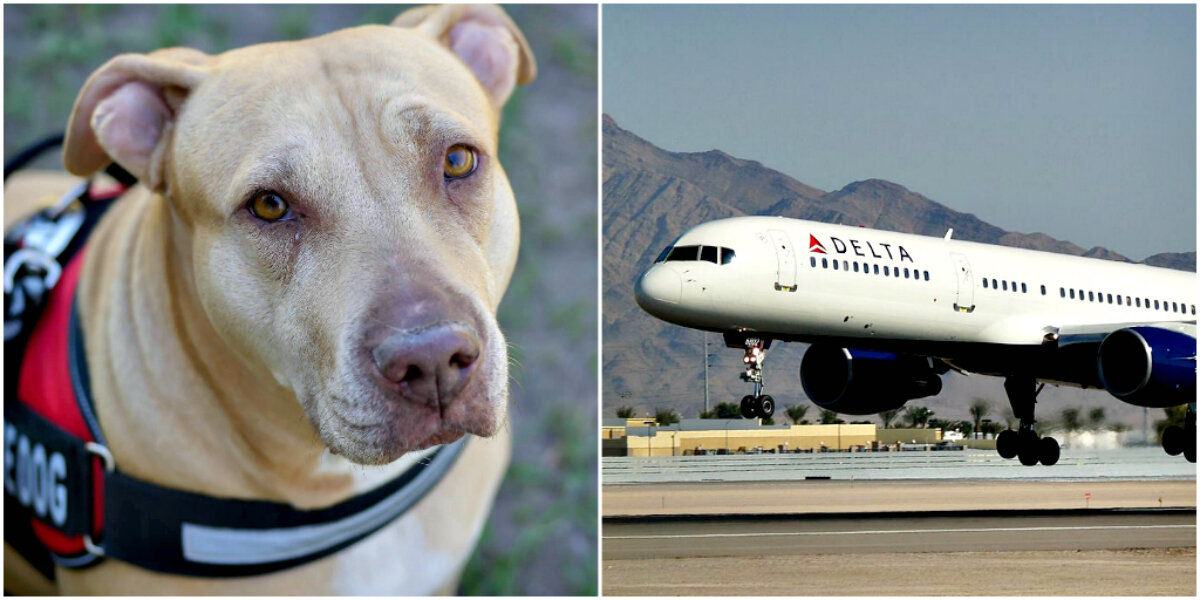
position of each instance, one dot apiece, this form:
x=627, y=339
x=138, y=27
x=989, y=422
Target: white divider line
x=886, y=531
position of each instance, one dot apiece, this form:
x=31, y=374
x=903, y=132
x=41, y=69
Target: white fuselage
x=782, y=282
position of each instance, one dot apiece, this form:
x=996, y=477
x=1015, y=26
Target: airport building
x=644, y=437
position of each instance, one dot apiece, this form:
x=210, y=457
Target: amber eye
x=460, y=162
x=268, y=206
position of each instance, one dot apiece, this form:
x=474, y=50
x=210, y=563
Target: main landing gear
x=1177, y=439
x=757, y=404
x=1024, y=443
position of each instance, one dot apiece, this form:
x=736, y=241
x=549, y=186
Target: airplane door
x=785, y=279
x=965, y=300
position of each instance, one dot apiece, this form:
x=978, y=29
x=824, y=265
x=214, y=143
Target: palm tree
x=728, y=410
x=624, y=412
x=888, y=417
x=979, y=410
x=918, y=416
x=666, y=416
x=1071, y=421
x=796, y=413
x=829, y=417
x=1096, y=418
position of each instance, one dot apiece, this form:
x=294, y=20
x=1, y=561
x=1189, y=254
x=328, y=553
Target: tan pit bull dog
x=297, y=303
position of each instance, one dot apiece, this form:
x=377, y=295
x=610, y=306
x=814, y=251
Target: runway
x=1078, y=553
x=1025, y=530
x=1075, y=465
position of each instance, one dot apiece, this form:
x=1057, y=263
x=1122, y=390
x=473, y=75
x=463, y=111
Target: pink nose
x=432, y=365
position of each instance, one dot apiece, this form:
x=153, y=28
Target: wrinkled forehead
x=371, y=84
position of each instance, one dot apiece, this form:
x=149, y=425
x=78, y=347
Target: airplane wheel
x=1027, y=447
x=1048, y=451
x=748, y=407
x=1006, y=444
x=1173, y=440
x=1189, y=442
x=766, y=407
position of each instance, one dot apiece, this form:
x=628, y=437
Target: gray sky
x=1076, y=121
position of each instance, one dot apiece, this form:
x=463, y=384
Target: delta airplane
x=887, y=314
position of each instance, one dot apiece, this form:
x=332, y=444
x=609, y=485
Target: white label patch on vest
x=35, y=476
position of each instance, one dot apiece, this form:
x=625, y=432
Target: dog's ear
x=484, y=37
x=126, y=110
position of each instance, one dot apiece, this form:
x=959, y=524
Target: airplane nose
x=658, y=284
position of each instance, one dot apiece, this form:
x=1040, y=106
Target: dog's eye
x=268, y=206
x=460, y=162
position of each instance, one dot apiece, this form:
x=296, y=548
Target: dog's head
x=338, y=209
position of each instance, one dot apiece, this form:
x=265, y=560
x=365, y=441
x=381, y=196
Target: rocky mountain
x=652, y=195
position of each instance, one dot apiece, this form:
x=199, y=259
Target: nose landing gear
x=1024, y=443
x=757, y=404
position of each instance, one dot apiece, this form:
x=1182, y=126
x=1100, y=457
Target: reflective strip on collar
x=229, y=546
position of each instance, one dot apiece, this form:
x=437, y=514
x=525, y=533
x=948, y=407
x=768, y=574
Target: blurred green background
x=541, y=538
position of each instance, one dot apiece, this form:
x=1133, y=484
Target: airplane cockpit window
x=683, y=253
x=713, y=254
x=663, y=255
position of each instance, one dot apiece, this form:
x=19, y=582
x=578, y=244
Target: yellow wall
x=612, y=433
x=909, y=436
x=804, y=437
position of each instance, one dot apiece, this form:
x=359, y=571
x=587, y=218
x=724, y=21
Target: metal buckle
x=110, y=465
x=30, y=256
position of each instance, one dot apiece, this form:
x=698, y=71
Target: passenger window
x=1174, y=307
x=727, y=255
x=845, y=265
x=1193, y=309
x=926, y=275
x=835, y=265
x=1091, y=298
x=1062, y=293
x=1119, y=303
x=1043, y=290
x=1139, y=302
x=856, y=266
x=1109, y=298
x=876, y=269
x=1081, y=295
x=1023, y=290
x=906, y=272
x=708, y=254
x=985, y=283
x=896, y=272
x=1156, y=305
x=1014, y=286
x=1072, y=294
x=824, y=263
x=887, y=272
x=813, y=262
x=1004, y=285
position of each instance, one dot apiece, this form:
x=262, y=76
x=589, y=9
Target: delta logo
x=860, y=248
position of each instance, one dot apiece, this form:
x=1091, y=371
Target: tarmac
x=1115, y=522
x=1074, y=464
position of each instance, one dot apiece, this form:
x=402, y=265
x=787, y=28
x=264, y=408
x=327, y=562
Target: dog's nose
x=430, y=365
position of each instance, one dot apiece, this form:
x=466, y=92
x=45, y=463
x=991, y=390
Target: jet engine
x=861, y=382
x=1149, y=366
